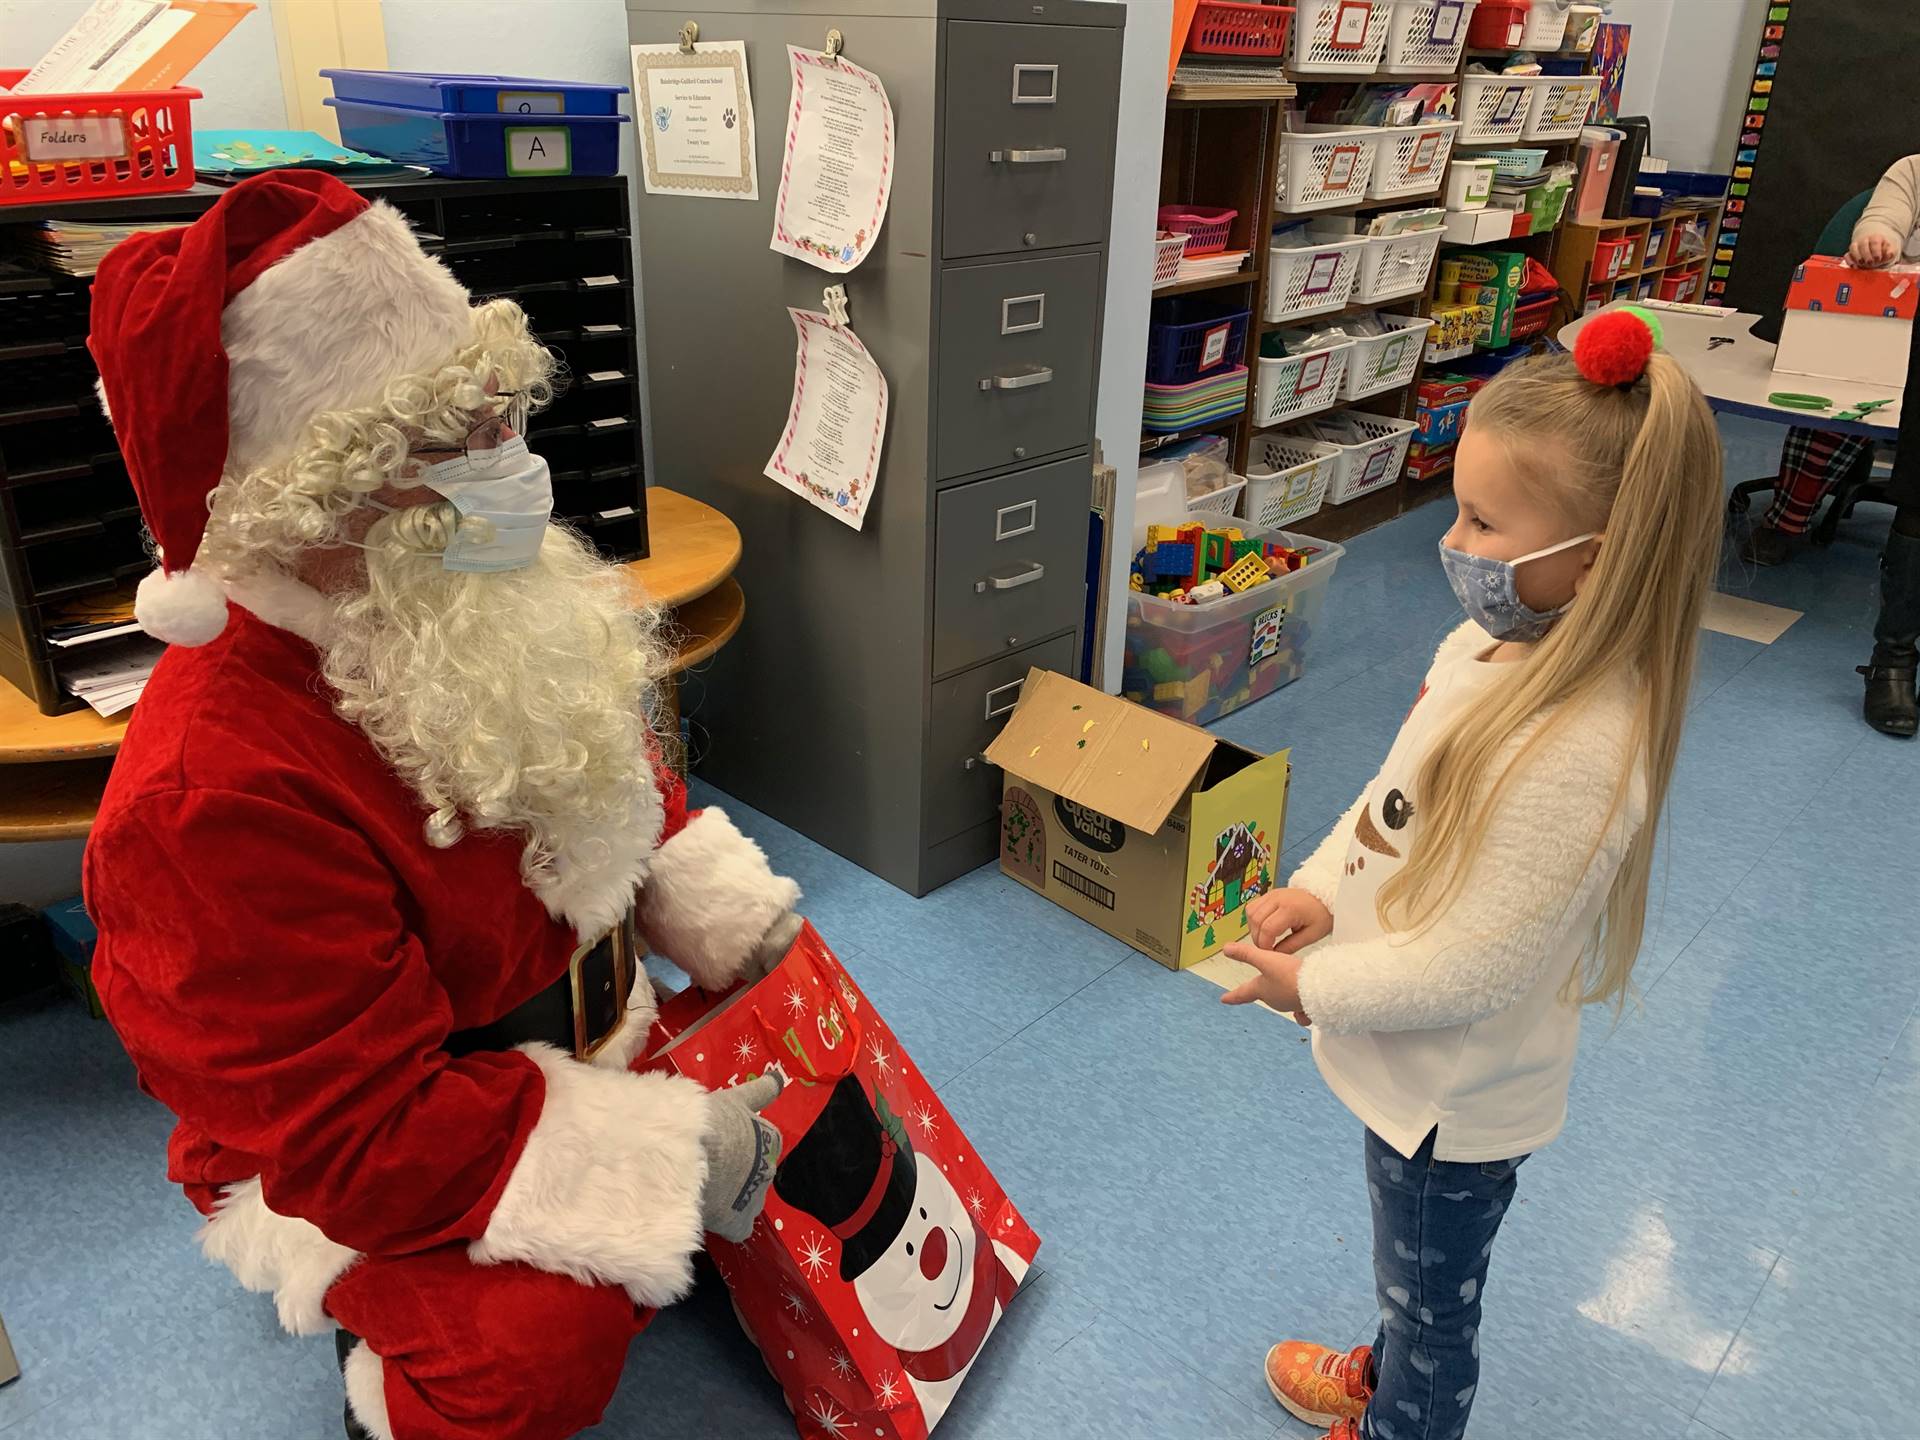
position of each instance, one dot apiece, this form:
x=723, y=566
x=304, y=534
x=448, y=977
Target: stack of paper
x=72, y=247
x=108, y=670
x=133, y=45
x=1168, y=408
x=1225, y=262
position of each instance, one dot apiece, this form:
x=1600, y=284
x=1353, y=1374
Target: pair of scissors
x=1863, y=409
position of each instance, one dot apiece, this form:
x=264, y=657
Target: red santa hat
x=218, y=343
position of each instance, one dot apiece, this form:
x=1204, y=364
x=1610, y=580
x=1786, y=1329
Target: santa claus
x=388, y=830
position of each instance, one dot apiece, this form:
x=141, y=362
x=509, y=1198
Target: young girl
x=1494, y=875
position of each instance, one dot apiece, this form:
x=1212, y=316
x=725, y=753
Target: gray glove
x=742, y=1150
x=772, y=949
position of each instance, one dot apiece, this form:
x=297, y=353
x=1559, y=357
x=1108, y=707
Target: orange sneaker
x=1318, y=1385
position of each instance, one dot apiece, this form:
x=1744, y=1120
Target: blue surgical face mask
x=508, y=487
x=1489, y=591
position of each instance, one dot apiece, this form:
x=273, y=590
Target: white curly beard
x=511, y=701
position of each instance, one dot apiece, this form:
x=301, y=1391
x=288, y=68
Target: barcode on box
x=1083, y=885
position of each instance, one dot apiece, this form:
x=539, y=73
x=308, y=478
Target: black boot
x=1890, y=707
x=343, y=1344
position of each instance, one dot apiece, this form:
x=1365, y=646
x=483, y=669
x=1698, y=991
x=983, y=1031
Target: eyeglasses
x=482, y=445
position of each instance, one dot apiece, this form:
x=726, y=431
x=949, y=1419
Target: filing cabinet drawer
x=1019, y=345
x=963, y=791
x=1010, y=562
x=1030, y=113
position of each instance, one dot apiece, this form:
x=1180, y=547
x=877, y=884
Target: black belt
x=578, y=1012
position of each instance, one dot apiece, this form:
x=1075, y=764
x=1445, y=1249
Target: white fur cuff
x=608, y=1187
x=275, y=1254
x=367, y=1391
x=710, y=898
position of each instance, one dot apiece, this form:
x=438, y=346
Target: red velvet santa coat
x=284, y=956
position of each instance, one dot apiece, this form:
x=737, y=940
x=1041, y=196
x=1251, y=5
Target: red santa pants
x=486, y=1352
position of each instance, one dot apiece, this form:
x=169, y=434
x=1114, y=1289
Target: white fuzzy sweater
x=1461, y=1026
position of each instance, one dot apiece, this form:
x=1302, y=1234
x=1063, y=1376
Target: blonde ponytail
x=1641, y=464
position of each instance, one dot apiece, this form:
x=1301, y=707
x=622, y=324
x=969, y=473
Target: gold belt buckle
x=590, y=986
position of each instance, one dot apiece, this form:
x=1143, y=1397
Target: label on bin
x=1509, y=104
x=71, y=137
x=1350, y=24
x=531, y=102
x=1446, y=21
x=539, y=151
x=1214, y=348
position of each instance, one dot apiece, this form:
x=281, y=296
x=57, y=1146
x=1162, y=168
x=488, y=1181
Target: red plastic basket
x=1230, y=27
x=1206, y=230
x=123, y=142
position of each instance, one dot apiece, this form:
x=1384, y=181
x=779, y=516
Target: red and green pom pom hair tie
x=1613, y=348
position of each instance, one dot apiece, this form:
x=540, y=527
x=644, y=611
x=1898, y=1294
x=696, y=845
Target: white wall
x=1123, y=349
x=1688, y=69
x=240, y=79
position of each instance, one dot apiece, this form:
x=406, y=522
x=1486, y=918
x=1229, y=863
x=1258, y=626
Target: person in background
x=1494, y=876
x=1815, y=461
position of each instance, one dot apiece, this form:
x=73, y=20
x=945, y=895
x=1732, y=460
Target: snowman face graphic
x=916, y=1293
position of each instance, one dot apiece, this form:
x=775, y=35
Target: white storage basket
x=1338, y=37
x=1412, y=159
x=1312, y=278
x=1367, y=465
x=1419, y=42
x=1168, y=249
x=1559, y=106
x=1295, y=385
x=1493, y=108
x=1323, y=166
x=1287, y=479
x=1546, y=25
x=1396, y=265
x=1386, y=362
x=1221, y=502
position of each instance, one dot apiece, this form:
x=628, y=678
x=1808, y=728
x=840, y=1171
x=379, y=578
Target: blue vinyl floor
x=1718, y=1249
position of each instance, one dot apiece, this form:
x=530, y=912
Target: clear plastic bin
x=1199, y=662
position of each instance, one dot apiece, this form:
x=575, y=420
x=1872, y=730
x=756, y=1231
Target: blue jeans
x=1433, y=1228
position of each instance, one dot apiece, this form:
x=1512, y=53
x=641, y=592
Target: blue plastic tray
x=476, y=94
x=479, y=146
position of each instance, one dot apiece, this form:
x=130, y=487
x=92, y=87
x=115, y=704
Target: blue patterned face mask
x=1489, y=591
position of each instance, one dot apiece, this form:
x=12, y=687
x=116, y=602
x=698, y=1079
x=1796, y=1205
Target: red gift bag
x=887, y=1252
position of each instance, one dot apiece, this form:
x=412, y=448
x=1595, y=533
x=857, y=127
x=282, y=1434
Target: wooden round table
x=53, y=767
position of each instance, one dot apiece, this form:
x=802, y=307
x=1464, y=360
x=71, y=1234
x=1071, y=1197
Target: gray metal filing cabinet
x=875, y=666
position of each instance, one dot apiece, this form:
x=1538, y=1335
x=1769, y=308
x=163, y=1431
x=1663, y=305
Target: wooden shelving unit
x=1573, y=264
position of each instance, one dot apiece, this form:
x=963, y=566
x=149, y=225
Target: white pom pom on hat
x=182, y=608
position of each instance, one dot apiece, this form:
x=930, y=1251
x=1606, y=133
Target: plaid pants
x=1813, y=462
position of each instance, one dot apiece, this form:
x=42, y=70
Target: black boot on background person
x=1890, y=707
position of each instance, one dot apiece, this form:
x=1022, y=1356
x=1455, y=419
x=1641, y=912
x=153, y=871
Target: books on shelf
x=71, y=246
x=1206, y=267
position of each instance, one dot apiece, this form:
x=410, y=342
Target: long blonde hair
x=1642, y=464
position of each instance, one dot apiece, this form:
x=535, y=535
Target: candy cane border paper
x=831, y=365
x=805, y=164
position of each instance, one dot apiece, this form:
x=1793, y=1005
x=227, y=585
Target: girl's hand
x=1277, y=984
x=1287, y=921
x=1872, y=250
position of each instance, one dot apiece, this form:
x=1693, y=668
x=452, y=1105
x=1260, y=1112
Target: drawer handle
x=1050, y=155
x=1024, y=380
x=994, y=712
x=1010, y=580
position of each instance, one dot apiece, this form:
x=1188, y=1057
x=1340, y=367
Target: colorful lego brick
x=1245, y=574
x=1169, y=560
x=1161, y=666
x=1170, y=690
x=1216, y=552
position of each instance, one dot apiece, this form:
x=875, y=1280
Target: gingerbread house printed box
x=1150, y=828
x=1848, y=324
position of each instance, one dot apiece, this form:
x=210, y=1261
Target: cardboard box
x=1499, y=274
x=1848, y=324
x=1152, y=829
x=1477, y=227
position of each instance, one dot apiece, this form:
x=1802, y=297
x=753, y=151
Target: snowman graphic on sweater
x=929, y=1278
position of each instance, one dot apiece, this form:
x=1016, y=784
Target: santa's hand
x=772, y=949
x=742, y=1150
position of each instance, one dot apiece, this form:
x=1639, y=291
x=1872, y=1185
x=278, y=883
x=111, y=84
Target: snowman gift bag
x=887, y=1252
